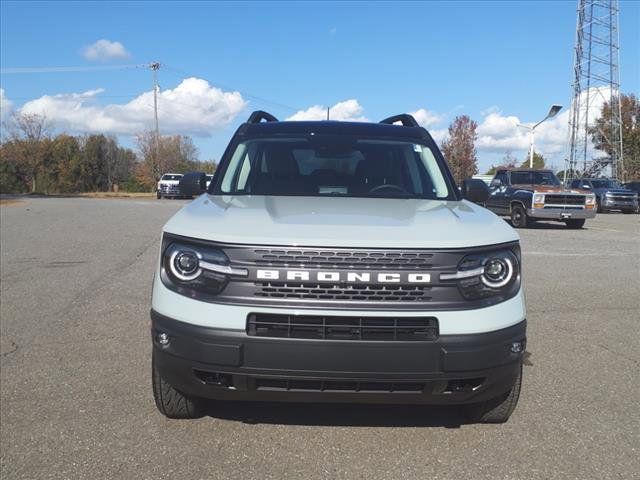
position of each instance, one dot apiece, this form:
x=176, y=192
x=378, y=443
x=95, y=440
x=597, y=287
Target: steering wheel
x=389, y=186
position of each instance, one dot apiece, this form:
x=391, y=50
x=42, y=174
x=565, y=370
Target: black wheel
x=575, y=223
x=628, y=211
x=172, y=403
x=499, y=409
x=519, y=217
x=158, y=196
x=598, y=206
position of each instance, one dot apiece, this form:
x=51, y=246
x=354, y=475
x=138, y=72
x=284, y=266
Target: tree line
x=34, y=160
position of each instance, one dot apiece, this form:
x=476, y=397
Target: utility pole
x=596, y=80
x=154, y=68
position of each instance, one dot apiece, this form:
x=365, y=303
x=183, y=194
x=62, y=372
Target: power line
x=227, y=87
x=12, y=70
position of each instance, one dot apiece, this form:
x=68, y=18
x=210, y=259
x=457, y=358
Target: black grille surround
x=340, y=293
x=400, y=329
x=560, y=199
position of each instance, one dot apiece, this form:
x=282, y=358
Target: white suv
x=168, y=185
x=335, y=261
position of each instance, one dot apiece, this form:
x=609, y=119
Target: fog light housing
x=517, y=347
x=163, y=339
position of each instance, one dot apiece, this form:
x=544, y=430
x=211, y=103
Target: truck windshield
x=171, y=177
x=534, y=178
x=335, y=166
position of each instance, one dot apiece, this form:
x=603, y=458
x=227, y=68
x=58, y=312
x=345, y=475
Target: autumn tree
x=630, y=109
x=459, y=148
x=176, y=154
x=27, y=136
x=508, y=161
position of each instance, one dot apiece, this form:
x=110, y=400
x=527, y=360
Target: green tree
x=630, y=109
x=538, y=161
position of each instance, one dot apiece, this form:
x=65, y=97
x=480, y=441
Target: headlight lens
x=538, y=198
x=590, y=200
x=195, y=270
x=185, y=264
x=488, y=275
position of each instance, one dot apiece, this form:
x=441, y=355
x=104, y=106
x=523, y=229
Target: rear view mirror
x=496, y=182
x=193, y=184
x=475, y=190
x=586, y=187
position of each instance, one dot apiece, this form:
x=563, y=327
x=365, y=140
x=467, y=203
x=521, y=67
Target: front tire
x=576, y=223
x=172, y=403
x=519, y=218
x=158, y=196
x=628, y=211
x=499, y=409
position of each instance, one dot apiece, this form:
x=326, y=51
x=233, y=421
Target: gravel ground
x=75, y=395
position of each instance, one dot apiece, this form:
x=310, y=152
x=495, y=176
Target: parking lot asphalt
x=75, y=393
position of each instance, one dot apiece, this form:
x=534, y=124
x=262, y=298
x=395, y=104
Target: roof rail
x=259, y=115
x=404, y=118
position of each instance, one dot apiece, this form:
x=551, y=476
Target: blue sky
x=491, y=60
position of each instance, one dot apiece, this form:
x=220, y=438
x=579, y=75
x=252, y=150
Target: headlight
x=590, y=200
x=195, y=270
x=538, y=198
x=491, y=274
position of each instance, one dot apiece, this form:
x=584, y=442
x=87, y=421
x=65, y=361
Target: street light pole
x=553, y=111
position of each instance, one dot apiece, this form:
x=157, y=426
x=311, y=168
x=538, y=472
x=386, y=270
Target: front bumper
x=229, y=364
x=561, y=213
x=619, y=204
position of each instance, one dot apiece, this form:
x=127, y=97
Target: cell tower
x=596, y=80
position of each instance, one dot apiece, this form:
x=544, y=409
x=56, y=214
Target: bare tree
x=29, y=133
x=459, y=148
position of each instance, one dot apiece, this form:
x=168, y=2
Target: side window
x=575, y=183
x=502, y=176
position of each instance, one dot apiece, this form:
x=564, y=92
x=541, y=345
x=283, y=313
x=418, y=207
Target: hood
x=615, y=191
x=340, y=222
x=551, y=189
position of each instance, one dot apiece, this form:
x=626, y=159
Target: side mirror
x=586, y=187
x=476, y=190
x=495, y=183
x=193, y=184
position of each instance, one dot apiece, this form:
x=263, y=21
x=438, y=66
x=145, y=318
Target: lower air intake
x=402, y=329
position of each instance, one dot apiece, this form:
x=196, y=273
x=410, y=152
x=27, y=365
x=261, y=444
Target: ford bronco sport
x=335, y=261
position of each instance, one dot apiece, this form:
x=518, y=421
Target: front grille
x=345, y=258
x=355, y=292
x=343, y=328
x=339, y=386
x=169, y=189
x=621, y=197
x=564, y=199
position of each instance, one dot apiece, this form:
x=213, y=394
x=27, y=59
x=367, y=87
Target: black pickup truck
x=527, y=195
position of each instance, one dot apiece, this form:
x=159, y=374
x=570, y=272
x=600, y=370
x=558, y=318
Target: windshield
x=534, y=178
x=171, y=177
x=605, y=184
x=335, y=166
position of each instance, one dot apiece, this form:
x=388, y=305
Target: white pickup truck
x=168, y=185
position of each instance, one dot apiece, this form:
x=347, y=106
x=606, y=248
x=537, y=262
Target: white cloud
x=194, y=107
x=104, y=49
x=499, y=133
x=426, y=118
x=6, y=105
x=348, y=111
